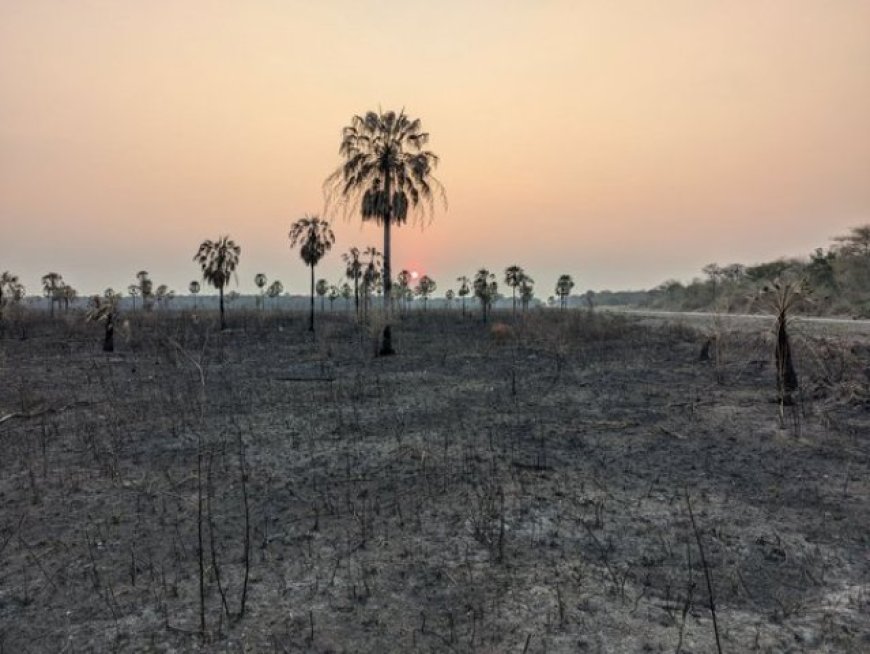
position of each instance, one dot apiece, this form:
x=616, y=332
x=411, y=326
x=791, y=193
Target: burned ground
x=524, y=492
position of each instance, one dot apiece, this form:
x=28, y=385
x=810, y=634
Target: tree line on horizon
x=836, y=279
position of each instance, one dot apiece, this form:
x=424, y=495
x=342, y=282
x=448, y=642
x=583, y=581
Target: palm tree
x=513, y=277
x=133, y=290
x=346, y=293
x=371, y=276
x=275, y=290
x=485, y=289
x=527, y=291
x=334, y=294
x=403, y=281
x=386, y=172
x=563, y=289
x=449, y=295
x=67, y=294
x=464, y=290
x=425, y=287
x=315, y=238
x=260, y=281
x=145, y=288
x=160, y=294
x=322, y=288
x=353, y=270
x=52, y=288
x=103, y=310
x=218, y=260
x=10, y=289
x=193, y=287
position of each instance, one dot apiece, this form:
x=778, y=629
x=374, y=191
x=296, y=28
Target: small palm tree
x=160, y=294
x=346, y=293
x=133, y=291
x=513, y=277
x=527, y=291
x=425, y=287
x=486, y=290
x=260, y=281
x=353, y=270
x=449, y=295
x=146, y=289
x=563, y=289
x=315, y=238
x=371, y=276
x=52, y=288
x=275, y=290
x=386, y=173
x=218, y=260
x=782, y=297
x=464, y=290
x=11, y=290
x=103, y=310
x=322, y=288
x=403, y=281
x=333, y=294
x=194, y=288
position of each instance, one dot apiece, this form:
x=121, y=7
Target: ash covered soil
x=518, y=489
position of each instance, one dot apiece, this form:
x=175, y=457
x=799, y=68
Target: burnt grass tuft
x=470, y=494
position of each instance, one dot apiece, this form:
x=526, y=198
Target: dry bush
x=501, y=333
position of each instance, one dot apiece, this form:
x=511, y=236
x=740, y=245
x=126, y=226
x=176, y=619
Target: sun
x=415, y=274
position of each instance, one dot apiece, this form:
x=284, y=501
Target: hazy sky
x=624, y=142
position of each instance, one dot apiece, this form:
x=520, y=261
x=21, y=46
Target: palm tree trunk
x=387, y=341
x=356, y=295
x=223, y=320
x=311, y=315
x=514, y=289
x=463, y=307
x=109, y=340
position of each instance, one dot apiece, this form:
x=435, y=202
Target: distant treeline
x=837, y=280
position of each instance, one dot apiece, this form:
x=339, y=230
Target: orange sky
x=624, y=142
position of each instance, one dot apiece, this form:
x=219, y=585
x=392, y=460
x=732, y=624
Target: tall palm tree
x=218, y=260
x=563, y=289
x=464, y=290
x=486, y=290
x=193, y=287
x=52, y=288
x=513, y=277
x=386, y=173
x=260, y=281
x=315, y=238
x=353, y=270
